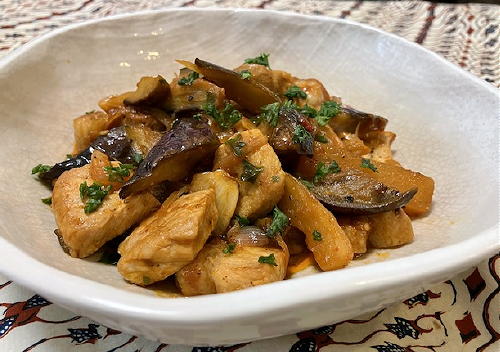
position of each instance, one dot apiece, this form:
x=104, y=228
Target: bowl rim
x=88, y=295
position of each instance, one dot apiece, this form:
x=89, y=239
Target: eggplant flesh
x=115, y=144
x=248, y=93
x=351, y=120
x=282, y=137
x=150, y=91
x=352, y=192
x=189, y=142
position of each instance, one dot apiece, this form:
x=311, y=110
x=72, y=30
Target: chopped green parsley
x=278, y=224
x=368, y=164
x=118, y=173
x=306, y=183
x=138, y=158
x=93, y=195
x=295, y=92
x=250, y=171
x=236, y=145
x=321, y=138
x=317, y=235
x=229, y=248
x=40, y=169
x=242, y=221
x=47, y=201
x=325, y=169
x=262, y=59
x=302, y=137
x=270, y=114
x=270, y=259
x=225, y=118
x=245, y=74
x=289, y=104
x=308, y=111
x=327, y=110
x=189, y=79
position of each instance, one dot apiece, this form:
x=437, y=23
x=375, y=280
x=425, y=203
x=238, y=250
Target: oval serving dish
x=446, y=121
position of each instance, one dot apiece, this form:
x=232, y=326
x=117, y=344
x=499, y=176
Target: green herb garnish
x=118, y=173
x=320, y=138
x=302, y=137
x=47, y=201
x=289, y=104
x=242, y=221
x=93, y=195
x=268, y=260
x=368, y=164
x=262, y=59
x=327, y=110
x=323, y=169
x=295, y=92
x=270, y=113
x=210, y=109
x=236, y=144
x=90, y=112
x=306, y=183
x=278, y=224
x=317, y=235
x=189, y=79
x=250, y=171
x=69, y=156
x=40, y=169
x=225, y=118
x=308, y=111
x=138, y=158
x=275, y=179
x=229, y=248
x=245, y=74
x=146, y=280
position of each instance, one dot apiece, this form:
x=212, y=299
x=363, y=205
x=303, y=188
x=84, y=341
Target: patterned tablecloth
x=461, y=314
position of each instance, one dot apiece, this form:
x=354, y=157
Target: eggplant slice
x=352, y=192
x=116, y=145
x=354, y=121
x=150, y=91
x=174, y=156
x=282, y=137
x=248, y=93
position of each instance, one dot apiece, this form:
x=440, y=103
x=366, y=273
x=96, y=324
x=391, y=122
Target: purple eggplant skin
x=115, y=144
x=352, y=192
x=351, y=120
x=248, y=93
x=282, y=139
x=178, y=151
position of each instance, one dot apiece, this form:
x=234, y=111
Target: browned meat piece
x=258, y=197
x=84, y=233
x=220, y=267
x=169, y=239
x=226, y=195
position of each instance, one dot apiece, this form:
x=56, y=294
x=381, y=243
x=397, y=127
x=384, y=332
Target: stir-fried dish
x=225, y=179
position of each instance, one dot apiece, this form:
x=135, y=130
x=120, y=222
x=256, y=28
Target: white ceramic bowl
x=446, y=121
